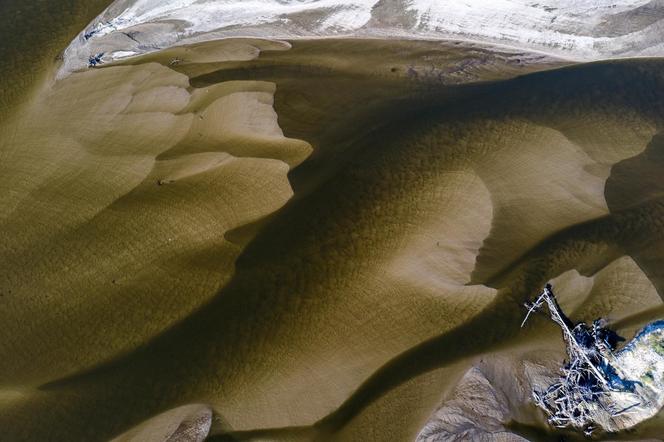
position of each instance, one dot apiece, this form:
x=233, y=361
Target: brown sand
x=155, y=256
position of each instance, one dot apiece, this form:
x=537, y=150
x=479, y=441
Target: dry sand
x=312, y=242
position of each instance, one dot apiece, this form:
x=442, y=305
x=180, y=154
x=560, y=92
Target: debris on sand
x=95, y=60
x=600, y=386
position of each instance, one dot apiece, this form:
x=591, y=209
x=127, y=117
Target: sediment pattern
x=314, y=240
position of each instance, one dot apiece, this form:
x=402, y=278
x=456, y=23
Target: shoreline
x=568, y=33
x=533, y=56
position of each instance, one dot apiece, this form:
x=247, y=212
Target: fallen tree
x=600, y=386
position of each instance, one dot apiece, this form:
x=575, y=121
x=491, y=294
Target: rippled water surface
x=339, y=297
x=32, y=34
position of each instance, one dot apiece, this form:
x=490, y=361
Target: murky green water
x=32, y=34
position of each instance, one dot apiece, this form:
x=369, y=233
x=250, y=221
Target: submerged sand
x=315, y=240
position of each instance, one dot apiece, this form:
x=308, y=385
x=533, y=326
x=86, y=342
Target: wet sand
x=313, y=240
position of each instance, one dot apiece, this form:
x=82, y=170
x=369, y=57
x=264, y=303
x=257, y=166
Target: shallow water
x=318, y=325
x=32, y=35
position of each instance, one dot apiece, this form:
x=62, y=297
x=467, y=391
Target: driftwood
x=588, y=383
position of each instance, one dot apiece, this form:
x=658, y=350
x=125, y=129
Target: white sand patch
x=580, y=30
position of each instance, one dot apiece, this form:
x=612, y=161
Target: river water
x=32, y=35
